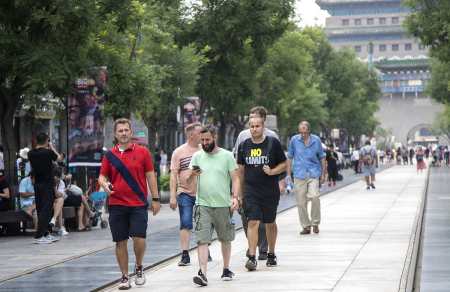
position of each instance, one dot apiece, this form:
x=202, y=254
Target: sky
x=310, y=13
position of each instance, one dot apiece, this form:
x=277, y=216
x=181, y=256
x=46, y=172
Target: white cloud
x=310, y=13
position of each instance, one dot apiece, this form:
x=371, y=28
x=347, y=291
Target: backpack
x=367, y=159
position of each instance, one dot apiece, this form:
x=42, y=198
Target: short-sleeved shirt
x=244, y=135
x=61, y=186
x=307, y=158
x=331, y=162
x=41, y=160
x=368, y=149
x=3, y=185
x=181, y=158
x=126, y=171
x=26, y=186
x=163, y=159
x=254, y=157
x=213, y=185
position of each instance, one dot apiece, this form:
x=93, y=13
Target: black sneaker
x=209, y=257
x=200, y=279
x=185, y=260
x=262, y=256
x=251, y=263
x=372, y=185
x=227, y=275
x=271, y=260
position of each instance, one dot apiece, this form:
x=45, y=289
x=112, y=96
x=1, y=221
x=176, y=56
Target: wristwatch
x=155, y=199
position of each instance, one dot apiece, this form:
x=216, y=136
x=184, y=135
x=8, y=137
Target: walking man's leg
x=252, y=236
x=226, y=252
x=203, y=257
x=186, y=208
x=122, y=256
x=139, y=246
x=272, y=231
x=313, y=195
x=301, y=192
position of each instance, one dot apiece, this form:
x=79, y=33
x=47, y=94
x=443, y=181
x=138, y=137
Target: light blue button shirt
x=26, y=187
x=307, y=158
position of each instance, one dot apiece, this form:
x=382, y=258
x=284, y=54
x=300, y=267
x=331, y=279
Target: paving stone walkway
x=362, y=245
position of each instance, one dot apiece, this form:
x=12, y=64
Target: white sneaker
x=41, y=240
x=140, y=277
x=53, y=222
x=63, y=231
x=125, y=284
x=51, y=238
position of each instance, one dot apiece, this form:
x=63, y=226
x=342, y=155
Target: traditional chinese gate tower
x=402, y=63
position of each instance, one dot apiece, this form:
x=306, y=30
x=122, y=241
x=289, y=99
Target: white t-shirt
x=62, y=189
x=2, y=164
x=356, y=155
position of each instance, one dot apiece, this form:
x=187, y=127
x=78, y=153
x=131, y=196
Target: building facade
x=401, y=61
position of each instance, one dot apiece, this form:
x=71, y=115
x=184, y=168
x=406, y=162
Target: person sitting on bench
x=71, y=200
x=4, y=193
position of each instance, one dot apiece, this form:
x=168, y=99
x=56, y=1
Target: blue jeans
x=186, y=206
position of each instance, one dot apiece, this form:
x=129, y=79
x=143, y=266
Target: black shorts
x=72, y=201
x=257, y=207
x=127, y=221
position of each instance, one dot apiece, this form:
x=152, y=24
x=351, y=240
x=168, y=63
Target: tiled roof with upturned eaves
x=351, y=1
x=364, y=30
x=402, y=64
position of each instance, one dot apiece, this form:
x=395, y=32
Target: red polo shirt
x=126, y=171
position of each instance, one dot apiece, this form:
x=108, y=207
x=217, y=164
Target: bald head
x=304, y=124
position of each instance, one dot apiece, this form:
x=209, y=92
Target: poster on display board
x=85, y=119
x=191, y=111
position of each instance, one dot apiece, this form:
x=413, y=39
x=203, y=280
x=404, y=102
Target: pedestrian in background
x=446, y=155
x=332, y=161
x=420, y=161
x=163, y=162
x=368, y=161
x=310, y=167
x=411, y=156
x=41, y=160
x=355, y=159
x=381, y=154
x=405, y=154
x=427, y=153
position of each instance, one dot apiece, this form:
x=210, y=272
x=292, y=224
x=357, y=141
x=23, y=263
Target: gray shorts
x=28, y=207
x=208, y=219
x=368, y=170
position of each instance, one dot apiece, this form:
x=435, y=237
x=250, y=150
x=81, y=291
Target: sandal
x=84, y=229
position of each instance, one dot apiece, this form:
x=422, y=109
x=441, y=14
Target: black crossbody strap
x=269, y=147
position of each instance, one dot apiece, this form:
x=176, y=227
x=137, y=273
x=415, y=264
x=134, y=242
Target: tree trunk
x=152, y=140
x=7, y=110
x=203, y=104
x=222, y=130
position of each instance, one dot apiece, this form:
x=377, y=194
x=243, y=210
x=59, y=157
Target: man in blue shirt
x=310, y=164
x=26, y=192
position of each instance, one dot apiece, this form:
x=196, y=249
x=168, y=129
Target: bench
x=11, y=216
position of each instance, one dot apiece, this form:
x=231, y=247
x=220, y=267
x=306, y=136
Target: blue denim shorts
x=186, y=206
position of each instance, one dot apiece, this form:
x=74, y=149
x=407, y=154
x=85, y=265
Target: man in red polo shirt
x=129, y=168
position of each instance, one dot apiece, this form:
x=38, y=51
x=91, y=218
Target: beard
x=210, y=147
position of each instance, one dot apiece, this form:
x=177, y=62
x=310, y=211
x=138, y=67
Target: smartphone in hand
x=195, y=167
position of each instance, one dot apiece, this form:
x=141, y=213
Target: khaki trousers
x=307, y=189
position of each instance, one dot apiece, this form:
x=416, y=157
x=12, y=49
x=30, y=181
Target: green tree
x=239, y=33
x=149, y=73
x=429, y=21
x=351, y=88
x=441, y=125
x=382, y=136
x=43, y=44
